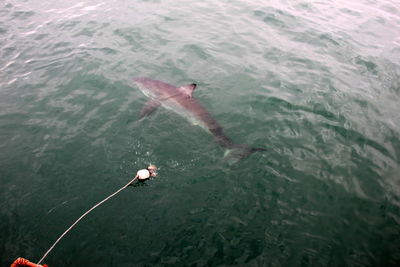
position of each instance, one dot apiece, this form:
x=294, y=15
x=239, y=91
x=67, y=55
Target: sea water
x=316, y=83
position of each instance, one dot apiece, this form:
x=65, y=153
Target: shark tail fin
x=241, y=151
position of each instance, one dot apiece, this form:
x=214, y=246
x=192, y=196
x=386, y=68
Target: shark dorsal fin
x=188, y=89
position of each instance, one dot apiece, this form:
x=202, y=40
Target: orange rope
x=21, y=262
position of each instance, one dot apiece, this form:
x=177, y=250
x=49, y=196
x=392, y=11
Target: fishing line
x=141, y=175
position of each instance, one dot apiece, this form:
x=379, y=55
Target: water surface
x=314, y=82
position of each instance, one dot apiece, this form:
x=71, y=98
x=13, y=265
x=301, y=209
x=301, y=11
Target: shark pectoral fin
x=188, y=89
x=149, y=108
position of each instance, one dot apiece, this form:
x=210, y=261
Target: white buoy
x=143, y=174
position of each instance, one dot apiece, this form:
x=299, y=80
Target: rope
x=83, y=215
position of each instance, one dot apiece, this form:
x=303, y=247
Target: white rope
x=83, y=215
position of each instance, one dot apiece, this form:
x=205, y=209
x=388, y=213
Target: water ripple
x=314, y=82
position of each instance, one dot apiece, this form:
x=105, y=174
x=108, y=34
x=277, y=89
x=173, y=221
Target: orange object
x=21, y=262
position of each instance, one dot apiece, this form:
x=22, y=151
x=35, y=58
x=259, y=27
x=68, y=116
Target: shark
x=180, y=100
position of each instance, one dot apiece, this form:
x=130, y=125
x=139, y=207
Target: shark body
x=181, y=101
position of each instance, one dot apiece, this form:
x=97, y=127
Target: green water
x=317, y=83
